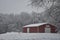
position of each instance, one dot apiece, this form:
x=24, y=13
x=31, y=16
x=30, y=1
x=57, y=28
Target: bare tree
x=52, y=12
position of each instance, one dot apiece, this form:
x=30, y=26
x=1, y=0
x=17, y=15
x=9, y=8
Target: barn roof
x=35, y=25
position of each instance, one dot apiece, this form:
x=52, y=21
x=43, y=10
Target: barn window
x=27, y=30
x=47, y=29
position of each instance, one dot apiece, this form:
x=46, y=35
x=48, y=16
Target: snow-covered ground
x=29, y=36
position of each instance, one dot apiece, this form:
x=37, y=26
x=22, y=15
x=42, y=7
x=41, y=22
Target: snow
x=29, y=36
x=35, y=25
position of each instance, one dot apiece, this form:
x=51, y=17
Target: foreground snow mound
x=29, y=36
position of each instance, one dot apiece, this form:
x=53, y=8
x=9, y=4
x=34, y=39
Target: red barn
x=39, y=28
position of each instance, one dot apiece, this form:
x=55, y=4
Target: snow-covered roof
x=35, y=25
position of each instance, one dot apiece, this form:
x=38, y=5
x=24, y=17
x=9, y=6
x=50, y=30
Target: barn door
x=27, y=30
x=47, y=29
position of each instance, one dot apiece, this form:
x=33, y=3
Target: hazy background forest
x=11, y=22
x=15, y=22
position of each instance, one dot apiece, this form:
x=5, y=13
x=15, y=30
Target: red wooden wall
x=39, y=29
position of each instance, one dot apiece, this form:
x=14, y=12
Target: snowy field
x=29, y=36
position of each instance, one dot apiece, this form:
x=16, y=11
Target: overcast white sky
x=15, y=6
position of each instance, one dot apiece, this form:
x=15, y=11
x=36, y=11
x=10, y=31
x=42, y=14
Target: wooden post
x=37, y=29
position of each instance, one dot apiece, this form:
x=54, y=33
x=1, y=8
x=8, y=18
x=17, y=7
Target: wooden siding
x=40, y=29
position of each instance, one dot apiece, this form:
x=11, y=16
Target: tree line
x=15, y=23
